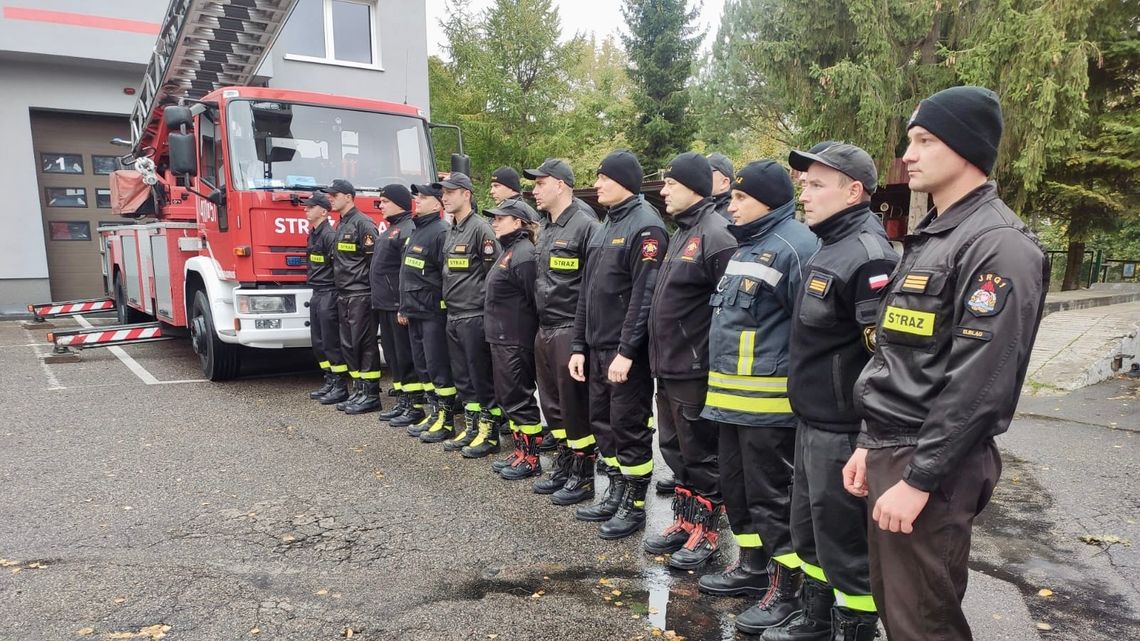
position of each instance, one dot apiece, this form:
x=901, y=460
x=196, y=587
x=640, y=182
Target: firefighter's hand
x=577, y=367
x=855, y=473
x=896, y=510
x=619, y=369
x=401, y=319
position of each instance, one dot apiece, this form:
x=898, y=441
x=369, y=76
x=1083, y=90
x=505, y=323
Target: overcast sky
x=601, y=17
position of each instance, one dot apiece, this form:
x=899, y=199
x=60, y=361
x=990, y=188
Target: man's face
x=678, y=197
x=456, y=200
x=500, y=192
x=503, y=225
x=745, y=209
x=930, y=163
x=426, y=204
x=389, y=208
x=610, y=193
x=340, y=202
x=315, y=214
x=721, y=183
x=546, y=190
x=826, y=192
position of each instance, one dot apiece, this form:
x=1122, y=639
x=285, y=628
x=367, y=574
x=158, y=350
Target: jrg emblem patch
x=988, y=295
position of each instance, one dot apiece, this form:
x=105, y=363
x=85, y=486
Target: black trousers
x=688, y=442
x=324, y=330
x=428, y=337
x=619, y=413
x=564, y=401
x=919, y=579
x=756, y=484
x=471, y=362
x=358, y=335
x=829, y=525
x=513, y=367
x=397, y=346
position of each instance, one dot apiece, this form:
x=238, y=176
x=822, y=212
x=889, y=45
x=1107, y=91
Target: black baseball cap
x=317, y=199
x=456, y=180
x=340, y=186
x=507, y=177
x=554, y=168
x=514, y=207
x=844, y=158
x=721, y=163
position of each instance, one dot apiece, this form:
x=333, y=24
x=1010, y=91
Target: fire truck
x=216, y=249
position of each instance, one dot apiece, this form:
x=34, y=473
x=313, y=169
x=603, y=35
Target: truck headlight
x=262, y=304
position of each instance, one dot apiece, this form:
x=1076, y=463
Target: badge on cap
x=988, y=298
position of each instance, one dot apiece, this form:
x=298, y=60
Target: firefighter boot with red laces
x=630, y=516
x=413, y=411
x=849, y=625
x=579, y=484
x=369, y=400
x=702, y=542
x=779, y=604
x=469, y=427
x=330, y=380
x=516, y=454
x=814, y=621
x=431, y=413
x=443, y=426
x=339, y=392
x=674, y=536
x=528, y=465
x=558, y=474
x=355, y=390
x=486, y=439
x=746, y=577
x=403, y=401
x=605, y=509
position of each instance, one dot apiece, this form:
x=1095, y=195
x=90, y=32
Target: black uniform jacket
x=680, y=315
x=322, y=240
x=509, y=315
x=355, y=241
x=955, y=330
x=470, y=251
x=720, y=201
x=561, y=250
x=421, y=276
x=621, y=272
x=387, y=261
x=833, y=323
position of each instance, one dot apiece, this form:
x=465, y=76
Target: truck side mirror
x=176, y=117
x=218, y=197
x=461, y=163
x=183, y=154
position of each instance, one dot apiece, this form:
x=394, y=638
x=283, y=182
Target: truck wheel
x=220, y=361
x=126, y=313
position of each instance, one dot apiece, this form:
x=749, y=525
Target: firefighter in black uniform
x=723, y=175
x=356, y=236
x=387, y=261
x=469, y=253
x=955, y=331
x=832, y=322
x=324, y=327
x=567, y=227
x=422, y=311
x=610, y=332
x=679, y=321
x=510, y=320
x=505, y=184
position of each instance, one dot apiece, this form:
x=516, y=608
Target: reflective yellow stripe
x=514, y=426
x=346, y=247
x=370, y=376
x=790, y=560
x=563, y=264
x=445, y=391
x=747, y=540
x=458, y=263
x=472, y=407
x=338, y=369
x=558, y=434
x=397, y=386
x=581, y=443
x=611, y=461
x=413, y=387
x=751, y=405
x=747, y=346
x=651, y=423
x=428, y=387
x=495, y=411
x=908, y=321
x=531, y=430
x=749, y=383
x=316, y=258
x=324, y=364
x=639, y=504
x=443, y=304
x=439, y=425
x=814, y=571
x=859, y=602
x=644, y=469
x=412, y=261
x=354, y=374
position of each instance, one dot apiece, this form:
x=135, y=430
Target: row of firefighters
x=838, y=405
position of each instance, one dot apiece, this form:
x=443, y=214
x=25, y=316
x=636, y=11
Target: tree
x=662, y=47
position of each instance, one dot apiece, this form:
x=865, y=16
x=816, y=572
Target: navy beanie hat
x=967, y=119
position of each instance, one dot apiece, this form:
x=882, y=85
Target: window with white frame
x=340, y=32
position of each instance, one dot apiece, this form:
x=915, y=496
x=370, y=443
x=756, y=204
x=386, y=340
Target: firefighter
x=324, y=328
x=610, y=332
x=748, y=389
x=955, y=331
x=422, y=311
x=723, y=176
x=505, y=184
x=510, y=321
x=833, y=320
x=387, y=261
x=567, y=226
x=679, y=321
x=470, y=251
x=355, y=241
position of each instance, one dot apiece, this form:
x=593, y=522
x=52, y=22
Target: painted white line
x=186, y=380
x=26, y=345
x=131, y=363
x=53, y=382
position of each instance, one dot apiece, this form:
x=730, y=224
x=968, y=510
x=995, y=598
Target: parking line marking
x=53, y=382
x=126, y=359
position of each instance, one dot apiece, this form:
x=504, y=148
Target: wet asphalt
x=242, y=510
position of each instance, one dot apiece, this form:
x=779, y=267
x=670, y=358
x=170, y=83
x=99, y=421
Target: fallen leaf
x=1045, y=593
x=255, y=631
x=608, y=598
x=656, y=632
x=1103, y=539
x=617, y=604
x=659, y=558
x=616, y=592
x=635, y=616
x=492, y=636
x=120, y=600
x=322, y=592
x=653, y=610
x=535, y=595
x=605, y=582
x=1044, y=627
x=15, y=570
x=85, y=631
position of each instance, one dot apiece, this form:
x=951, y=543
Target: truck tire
x=220, y=361
x=126, y=313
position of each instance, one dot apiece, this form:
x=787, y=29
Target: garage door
x=74, y=158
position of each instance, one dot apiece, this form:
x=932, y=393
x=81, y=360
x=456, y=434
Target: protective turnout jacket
x=470, y=251
x=355, y=241
x=955, y=330
x=509, y=315
x=561, y=253
x=752, y=320
x=421, y=277
x=322, y=244
x=387, y=261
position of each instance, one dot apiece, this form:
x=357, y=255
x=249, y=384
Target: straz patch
x=692, y=249
x=989, y=294
x=819, y=284
x=316, y=258
x=976, y=334
x=346, y=247
x=488, y=247
x=563, y=264
x=748, y=286
x=649, y=249
x=413, y=262
x=766, y=257
x=915, y=283
x=458, y=263
x=908, y=321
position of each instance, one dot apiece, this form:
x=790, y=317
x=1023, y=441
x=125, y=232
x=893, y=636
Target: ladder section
x=203, y=45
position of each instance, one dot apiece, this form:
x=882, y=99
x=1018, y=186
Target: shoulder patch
x=819, y=284
x=987, y=296
x=369, y=240
x=649, y=249
x=692, y=248
x=878, y=281
x=488, y=247
x=970, y=332
x=766, y=257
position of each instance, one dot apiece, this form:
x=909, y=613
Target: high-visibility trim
x=749, y=405
x=445, y=391
x=563, y=264
x=747, y=540
x=338, y=369
x=857, y=602
x=473, y=407
x=643, y=469
x=487, y=433
x=651, y=423
x=443, y=304
x=745, y=356
x=324, y=364
x=557, y=433
x=611, y=461
x=908, y=321
x=396, y=385
x=438, y=425
x=814, y=571
x=755, y=270
x=496, y=411
x=412, y=387
x=354, y=374
x=428, y=387
x=791, y=560
x=531, y=430
x=581, y=443
x=370, y=376
x=514, y=426
x=413, y=262
x=346, y=247
x=639, y=504
x=777, y=384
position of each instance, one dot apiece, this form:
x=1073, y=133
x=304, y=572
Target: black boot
x=814, y=621
x=354, y=391
x=369, y=400
x=605, y=509
x=849, y=625
x=486, y=438
x=430, y=414
x=330, y=380
x=703, y=538
x=549, y=443
x=403, y=402
x=517, y=453
x=778, y=605
x=338, y=393
x=466, y=434
x=748, y=576
x=558, y=474
x=667, y=485
x=413, y=411
x=528, y=465
x=674, y=536
x=502, y=424
x=443, y=426
x=579, y=484
x=630, y=517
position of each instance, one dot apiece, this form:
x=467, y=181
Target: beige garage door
x=74, y=158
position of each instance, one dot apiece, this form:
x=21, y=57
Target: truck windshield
x=279, y=145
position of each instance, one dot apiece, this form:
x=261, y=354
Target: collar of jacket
x=844, y=223
x=763, y=225
x=721, y=199
x=622, y=209
x=955, y=214
x=460, y=224
x=427, y=219
x=564, y=217
x=348, y=214
x=510, y=239
x=693, y=215
x=321, y=224
x=396, y=219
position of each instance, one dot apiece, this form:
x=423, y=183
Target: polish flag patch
x=878, y=282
